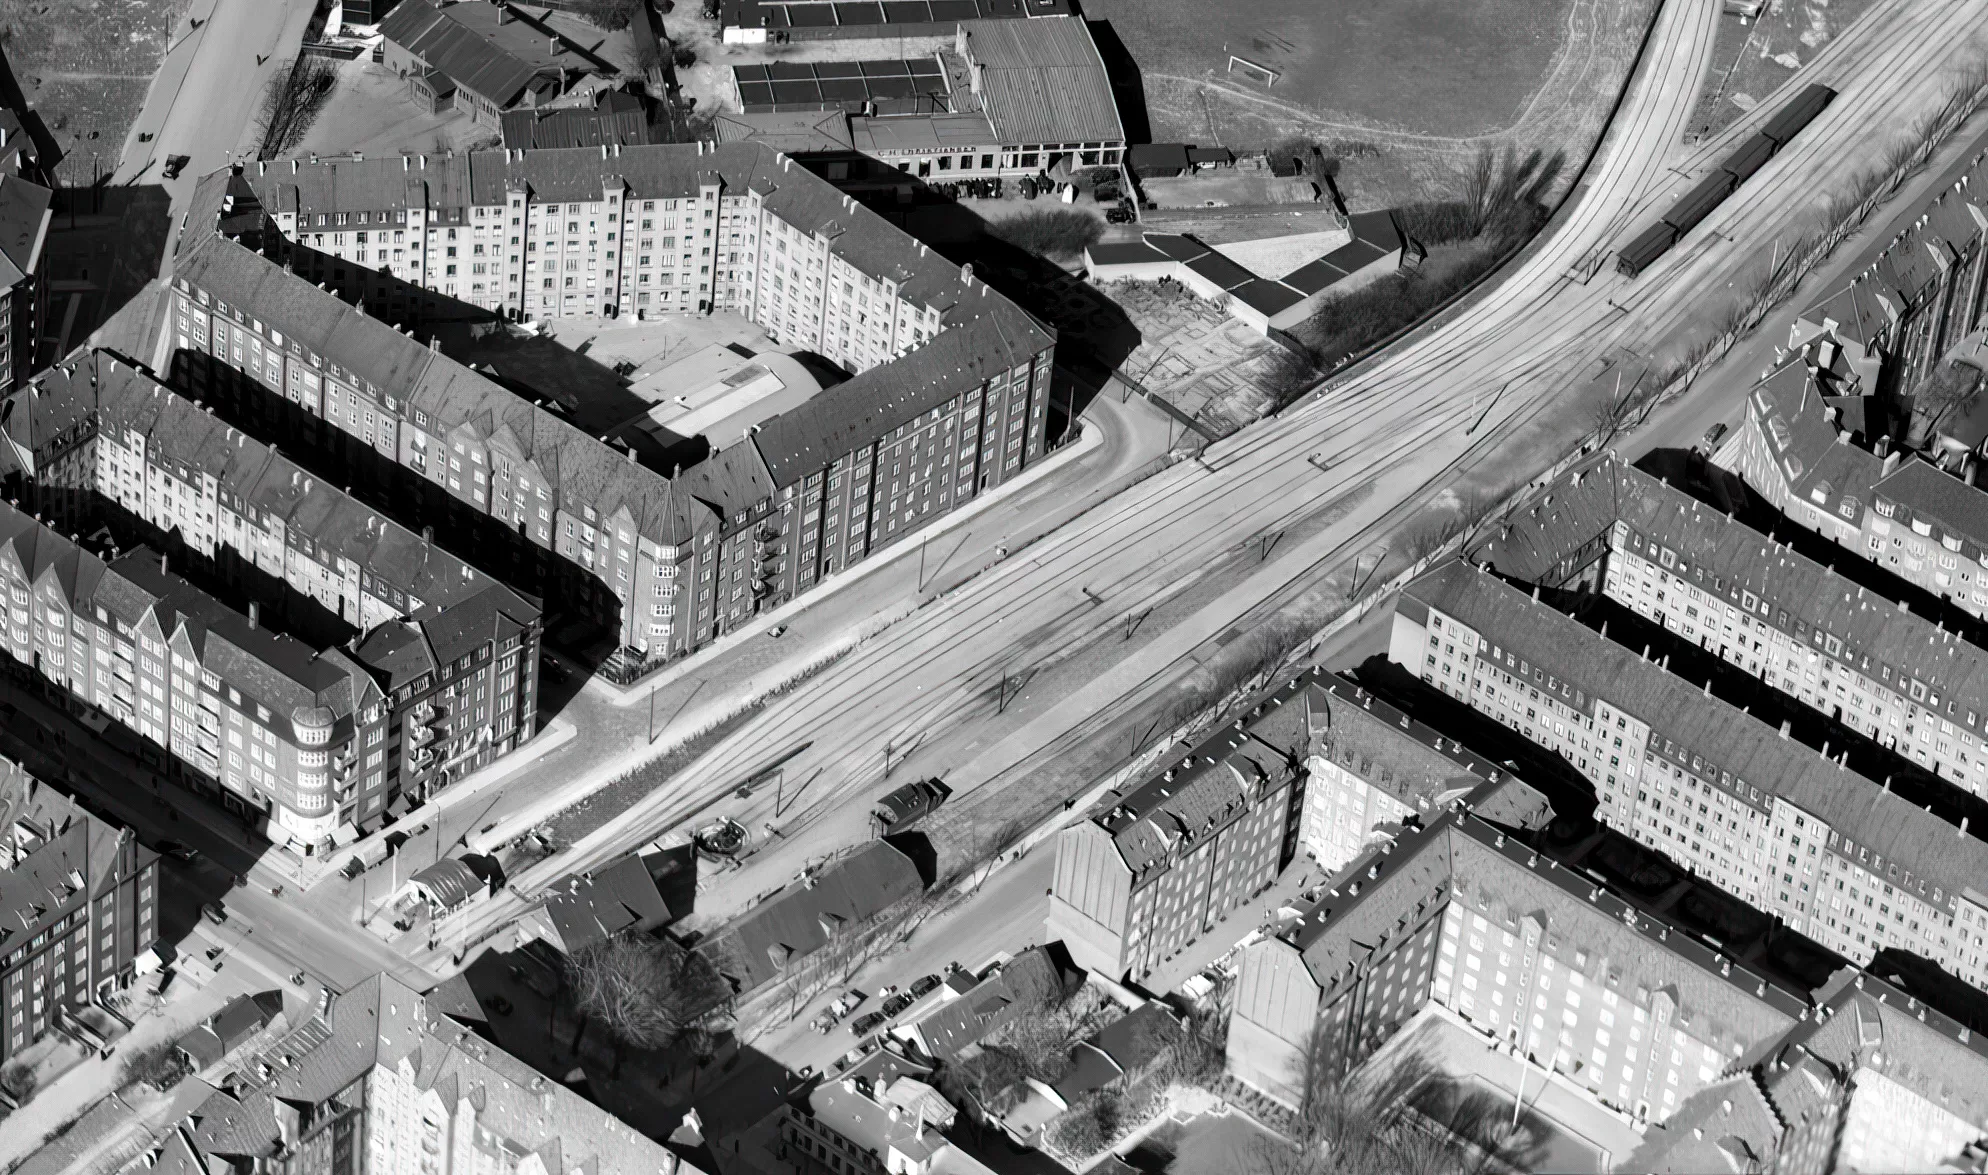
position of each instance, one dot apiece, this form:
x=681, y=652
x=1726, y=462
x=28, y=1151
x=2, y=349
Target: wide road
x=1490, y=391
x=206, y=95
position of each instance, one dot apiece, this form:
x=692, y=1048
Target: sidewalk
x=71, y=1095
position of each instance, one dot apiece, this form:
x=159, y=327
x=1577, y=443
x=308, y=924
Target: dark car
x=921, y=986
x=552, y=670
x=1118, y=215
x=177, y=851
x=214, y=912
x=897, y=1003
x=867, y=1023
x=1713, y=434
x=176, y=164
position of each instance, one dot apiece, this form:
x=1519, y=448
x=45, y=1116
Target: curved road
x=1461, y=399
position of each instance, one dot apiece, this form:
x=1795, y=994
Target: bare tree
x=644, y=994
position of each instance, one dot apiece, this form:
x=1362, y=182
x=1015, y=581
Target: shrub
x=610, y=15
x=1050, y=232
x=18, y=1080
x=684, y=57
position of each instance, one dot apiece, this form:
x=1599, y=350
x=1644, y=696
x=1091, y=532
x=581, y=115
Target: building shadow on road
x=104, y=244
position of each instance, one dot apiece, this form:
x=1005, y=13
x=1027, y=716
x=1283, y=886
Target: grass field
x=85, y=65
x=1435, y=67
x=1751, y=60
x=1409, y=90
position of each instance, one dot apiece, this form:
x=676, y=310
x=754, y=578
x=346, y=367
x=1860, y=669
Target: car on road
x=921, y=986
x=176, y=164
x=1713, y=435
x=897, y=1003
x=777, y=631
x=847, y=1002
x=825, y=1022
x=1118, y=216
x=213, y=912
x=867, y=1023
x=177, y=851
x=551, y=670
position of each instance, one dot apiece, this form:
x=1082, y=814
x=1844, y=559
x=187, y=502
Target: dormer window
x=1921, y=527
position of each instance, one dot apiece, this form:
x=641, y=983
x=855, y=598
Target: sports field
x=1435, y=67
x=1410, y=88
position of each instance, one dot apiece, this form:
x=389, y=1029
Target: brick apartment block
x=80, y=902
x=949, y=398
x=1795, y=832
x=439, y=678
x=1851, y=654
x=1315, y=763
x=1720, y=1064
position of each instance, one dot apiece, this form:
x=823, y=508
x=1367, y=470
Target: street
x=205, y=97
x=1113, y=613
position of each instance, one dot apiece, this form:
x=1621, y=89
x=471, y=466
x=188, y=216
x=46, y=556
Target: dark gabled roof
x=1267, y=296
x=449, y=880
x=1022, y=984
x=800, y=919
x=619, y=897
x=1221, y=270
x=616, y=117
x=1587, y=668
x=1728, y=559
x=489, y=49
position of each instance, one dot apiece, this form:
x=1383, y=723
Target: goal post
x=1251, y=69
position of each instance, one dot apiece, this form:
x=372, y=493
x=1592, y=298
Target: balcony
x=424, y=713
x=420, y=736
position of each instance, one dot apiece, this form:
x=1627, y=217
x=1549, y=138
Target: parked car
x=921, y=986
x=550, y=670
x=1713, y=434
x=867, y=1023
x=213, y=912
x=825, y=1022
x=176, y=164
x=178, y=851
x=897, y=1003
x=847, y=1002
x=1118, y=216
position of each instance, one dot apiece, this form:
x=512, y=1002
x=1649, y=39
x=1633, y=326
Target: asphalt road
x=205, y=97
x=1491, y=390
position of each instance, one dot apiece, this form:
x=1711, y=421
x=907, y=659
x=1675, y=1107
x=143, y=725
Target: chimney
x=162, y=559
x=435, y=343
x=505, y=15
x=1786, y=725
x=427, y=534
x=255, y=614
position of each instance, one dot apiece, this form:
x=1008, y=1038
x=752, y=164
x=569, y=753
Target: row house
x=306, y=743
x=78, y=907
x=1786, y=828
x=96, y=436
x=1789, y=621
x=379, y=1079
x=1316, y=764
x=665, y=562
x=1913, y=298
x=1462, y=922
x=1807, y=453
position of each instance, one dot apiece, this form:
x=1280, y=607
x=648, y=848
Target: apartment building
x=378, y=1081
x=1539, y=960
x=306, y=742
x=1790, y=621
x=1153, y=867
x=1913, y=298
x=1373, y=770
x=1874, y=1080
x=80, y=898
x=1810, y=455
x=1720, y=1061
x=25, y=212
x=1315, y=764
x=1795, y=832
x=665, y=562
x=98, y=442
